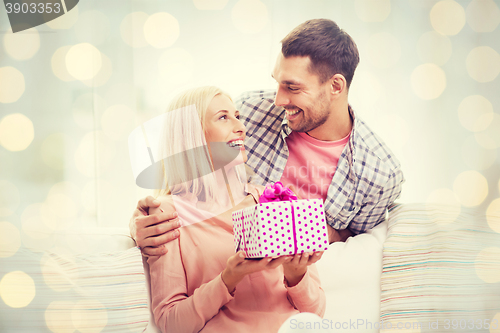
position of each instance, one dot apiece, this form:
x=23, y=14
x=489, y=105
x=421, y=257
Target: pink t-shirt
x=311, y=164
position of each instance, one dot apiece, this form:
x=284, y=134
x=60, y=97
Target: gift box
x=280, y=225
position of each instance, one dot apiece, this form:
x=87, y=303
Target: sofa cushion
x=441, y=269
x=65, y=292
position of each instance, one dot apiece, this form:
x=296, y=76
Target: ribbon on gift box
x=278, y=192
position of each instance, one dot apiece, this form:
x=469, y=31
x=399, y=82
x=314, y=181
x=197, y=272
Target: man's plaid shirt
x=368, y=177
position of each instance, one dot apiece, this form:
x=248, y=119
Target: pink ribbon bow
x=277, y=192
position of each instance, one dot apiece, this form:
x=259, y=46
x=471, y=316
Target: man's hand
x=151, y=232
x=335, y=235
x=296, y=268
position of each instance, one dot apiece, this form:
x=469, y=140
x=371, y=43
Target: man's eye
x=292, y=89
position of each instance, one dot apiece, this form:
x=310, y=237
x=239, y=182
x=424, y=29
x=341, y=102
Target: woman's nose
x=239, y=127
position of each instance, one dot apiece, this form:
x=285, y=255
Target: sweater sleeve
x=173, y=309
x=307, y=295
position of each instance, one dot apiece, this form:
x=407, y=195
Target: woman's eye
x=238, y=117
x=223, y=117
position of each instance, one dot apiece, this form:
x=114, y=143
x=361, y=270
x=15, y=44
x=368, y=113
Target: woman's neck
x=229, y=191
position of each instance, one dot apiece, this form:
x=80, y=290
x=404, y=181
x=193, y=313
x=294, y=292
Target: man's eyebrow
x=292, y=82
x=289, y=82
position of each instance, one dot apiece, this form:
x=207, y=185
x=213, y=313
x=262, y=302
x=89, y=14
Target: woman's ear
x=338, y=84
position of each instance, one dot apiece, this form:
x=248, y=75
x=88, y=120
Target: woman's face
x=224, y=132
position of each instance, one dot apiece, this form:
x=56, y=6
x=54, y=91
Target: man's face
x=300, y=92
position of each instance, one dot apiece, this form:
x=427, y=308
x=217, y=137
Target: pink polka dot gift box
x=280, y=225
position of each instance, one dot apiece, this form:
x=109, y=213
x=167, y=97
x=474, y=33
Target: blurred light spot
x=60, y=209
x=58, y=63
x=85, y=107
x=16, y=132
x=65, y=21
x=471, y=188
x=22, y=45
x=89, y=316
x=395, y=130
x=475, y=156
x=475, y=113
x=103, y=75
x=9, y=198
x=490, y=137
x=10, y=239
x=175, y=66
x=58, y=212
x=434, y=47
x=42, y=242
x=365, y=89
x=493, y=215
x=118, y=121
x=92, y=27
x=210, y=4
x=249, y=16
x=53, y=150
x=58, y=269
x=447, y=17
x=57, y=317
x=132, y=29
x=17, y=289
x=33, y=224
x=447, y=197
x=11, y=84
x=372, y=11
x=428, y=81
x=94, y=146
x=483, y=64
x=483, y=15
x=384, y=50
x=161, y=30
x=487, y=265
x=83, y=61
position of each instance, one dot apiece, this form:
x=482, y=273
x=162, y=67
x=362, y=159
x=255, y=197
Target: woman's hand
x=151, y=232
x=296, y=268
x=237, y=268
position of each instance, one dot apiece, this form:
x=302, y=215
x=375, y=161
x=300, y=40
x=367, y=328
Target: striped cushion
x=103, y=292
x=440, y=269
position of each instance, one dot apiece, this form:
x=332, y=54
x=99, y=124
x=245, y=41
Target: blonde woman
x=200, y=284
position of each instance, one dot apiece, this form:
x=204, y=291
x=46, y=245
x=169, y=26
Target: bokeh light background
x=73, y=89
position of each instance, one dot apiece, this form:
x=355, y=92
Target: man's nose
x=281, y=98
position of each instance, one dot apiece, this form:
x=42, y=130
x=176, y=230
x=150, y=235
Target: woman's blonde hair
x=187, y=168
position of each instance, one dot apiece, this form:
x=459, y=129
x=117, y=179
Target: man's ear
x=338, y=84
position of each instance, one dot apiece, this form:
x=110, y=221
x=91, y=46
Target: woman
x=200, y=284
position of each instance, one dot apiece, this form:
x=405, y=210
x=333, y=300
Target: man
x=307, y=136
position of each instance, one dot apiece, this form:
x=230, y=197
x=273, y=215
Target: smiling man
x=305, y=134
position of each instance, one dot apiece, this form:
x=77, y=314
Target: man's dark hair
x=331, y=50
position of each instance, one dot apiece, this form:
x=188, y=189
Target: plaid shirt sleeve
x=373, y=211
x=367, y=181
